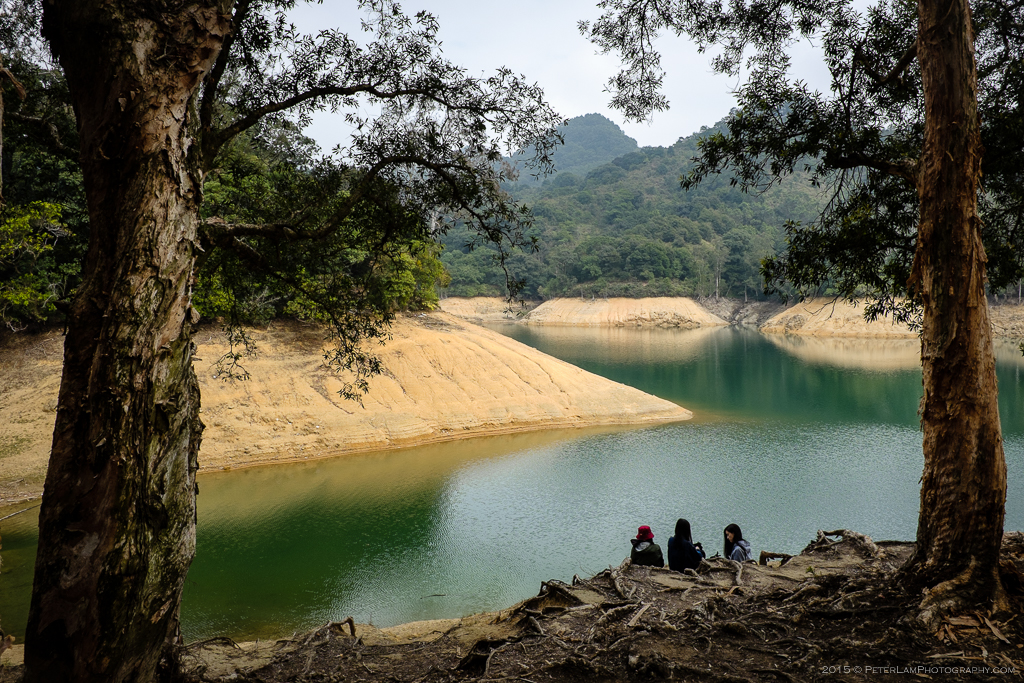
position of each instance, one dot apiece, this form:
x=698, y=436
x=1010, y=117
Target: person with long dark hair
x=736, y=548
x=683, y=553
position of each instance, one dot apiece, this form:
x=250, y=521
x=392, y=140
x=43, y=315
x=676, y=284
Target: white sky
x=539, y=39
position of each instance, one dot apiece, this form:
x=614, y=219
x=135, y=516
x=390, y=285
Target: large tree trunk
x=117, y=525
x=963, y=490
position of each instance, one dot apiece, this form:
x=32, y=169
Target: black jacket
x=682, y=554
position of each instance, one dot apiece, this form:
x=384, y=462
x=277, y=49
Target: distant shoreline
x=819, y=317
x=438, y=388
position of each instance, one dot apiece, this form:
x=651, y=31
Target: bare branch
x=211, y=84
x=49, y=129
x=6, y=75
x=904, y=168
x=896, y=74
x=215, y=139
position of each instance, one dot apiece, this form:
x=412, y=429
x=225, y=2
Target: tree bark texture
x=963, y=489
x=117, y=524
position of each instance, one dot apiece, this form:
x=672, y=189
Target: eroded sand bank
x=486, y=309
x=614, y=312
x=445, y=379
x=824, y=317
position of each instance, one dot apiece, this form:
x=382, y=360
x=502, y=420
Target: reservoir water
x=789, y=436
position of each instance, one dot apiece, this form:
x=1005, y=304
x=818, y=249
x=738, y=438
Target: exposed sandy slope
x=446, y=379
x=832, y=318
x=29, y=379
x=818, y=317
x=480, y=309
x=659, y=311
x=1007, y=320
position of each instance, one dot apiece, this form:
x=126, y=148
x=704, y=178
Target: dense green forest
x=260, y=178
x=614, y=222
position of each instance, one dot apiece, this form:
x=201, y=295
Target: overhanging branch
x=211, y=84
x=896, y=74
x=904, y=168
x=50, y=132
x=213, y=140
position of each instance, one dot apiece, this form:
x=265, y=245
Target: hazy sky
x=539, y=39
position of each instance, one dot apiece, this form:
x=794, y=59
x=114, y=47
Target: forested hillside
x=622, y=226
x=590, y=141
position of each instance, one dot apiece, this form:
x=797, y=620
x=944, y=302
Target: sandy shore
x=614, y=312
x=486, y=309
x=824, y=317
x=820, y=317
x=445, y=379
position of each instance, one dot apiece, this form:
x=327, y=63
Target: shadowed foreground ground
x=831, y=613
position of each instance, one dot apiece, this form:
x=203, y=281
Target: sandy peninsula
x=614, y=312
x=826, y=317
x=445, y=379
x=487, y=309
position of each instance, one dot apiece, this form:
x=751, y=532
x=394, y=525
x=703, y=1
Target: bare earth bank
x=824, y=317
x=445, y=379
x=614, y=312
x=819, y=317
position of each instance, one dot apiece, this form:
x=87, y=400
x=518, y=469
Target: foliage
x=27, y=236
x=626, y=229
x=348, y=238
x=254, y=184
x=43, y=219
x=859, y=140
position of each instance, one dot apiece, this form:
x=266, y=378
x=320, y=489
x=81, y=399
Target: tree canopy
x=859, y=140
x=174, y=104
x=898, y=140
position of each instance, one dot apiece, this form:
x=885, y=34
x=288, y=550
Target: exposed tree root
x=817, y=616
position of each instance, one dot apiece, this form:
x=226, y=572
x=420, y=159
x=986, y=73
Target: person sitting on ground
x=683, y=553
x=735, y=547
x=645, y=550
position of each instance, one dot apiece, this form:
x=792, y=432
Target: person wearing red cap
x=645, y=550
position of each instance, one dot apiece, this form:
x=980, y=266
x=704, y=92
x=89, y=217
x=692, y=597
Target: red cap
x=644, y=533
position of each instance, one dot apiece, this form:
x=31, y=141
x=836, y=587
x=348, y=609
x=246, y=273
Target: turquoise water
x=789, y=436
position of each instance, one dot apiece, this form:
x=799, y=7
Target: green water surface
x=788, y=436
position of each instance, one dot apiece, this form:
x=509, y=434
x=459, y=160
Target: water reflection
x=1008, y=353
x=428, y=539
x=629, y=345
x=736, y=373
x=318, y=541
x=872, y=355
x=20, y=535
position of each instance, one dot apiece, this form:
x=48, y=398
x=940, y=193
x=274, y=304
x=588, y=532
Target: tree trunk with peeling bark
x=117, y=525
x=963, y=489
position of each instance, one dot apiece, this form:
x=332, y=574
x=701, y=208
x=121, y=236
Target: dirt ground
x=834, y=612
